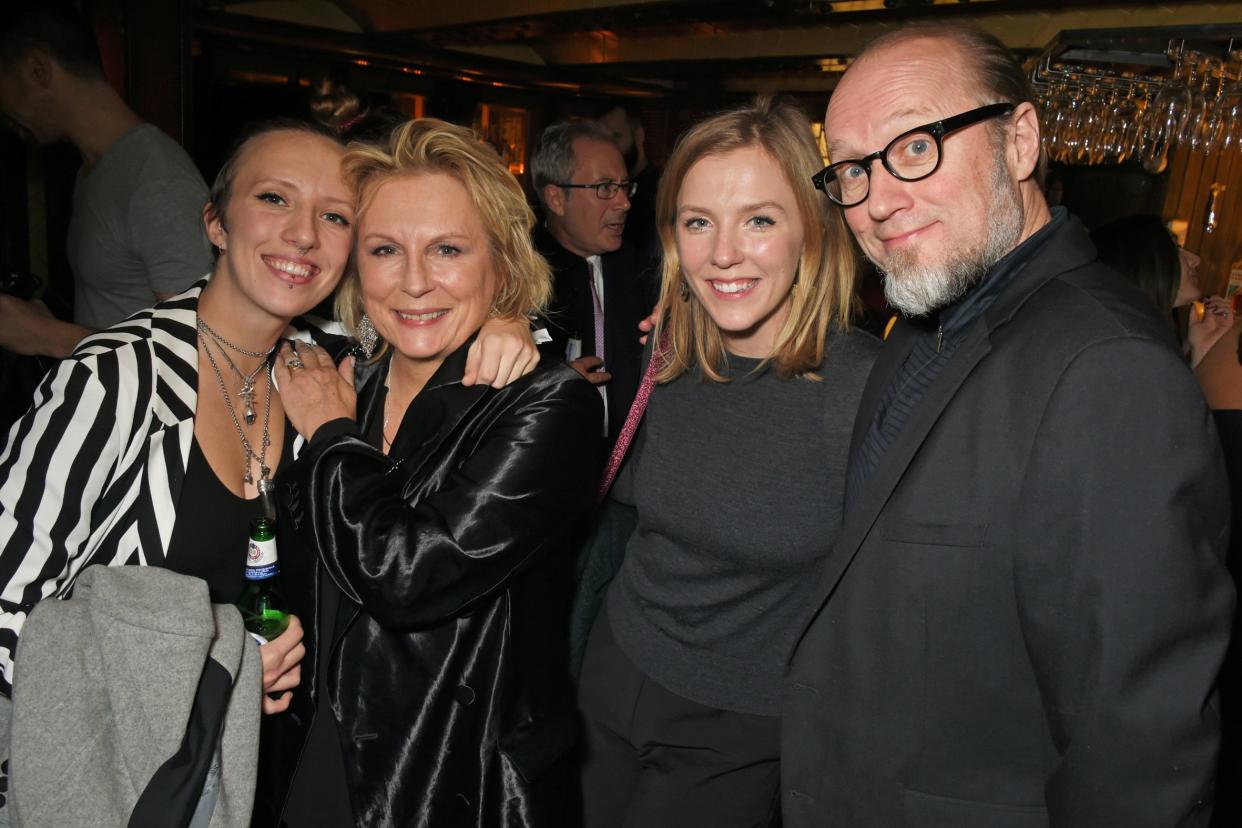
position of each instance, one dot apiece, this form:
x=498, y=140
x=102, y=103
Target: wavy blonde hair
x=429, y=145
x=824, y=294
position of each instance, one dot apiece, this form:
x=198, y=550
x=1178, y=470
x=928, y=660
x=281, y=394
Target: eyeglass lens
x=910, y=157
x=608, y=189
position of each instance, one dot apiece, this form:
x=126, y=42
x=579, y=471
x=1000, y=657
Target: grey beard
x=916, y=290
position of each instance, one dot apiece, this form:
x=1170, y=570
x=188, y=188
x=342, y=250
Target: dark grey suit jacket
x=1022, y=621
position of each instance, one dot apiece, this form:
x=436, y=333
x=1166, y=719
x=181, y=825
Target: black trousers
x=652, y=758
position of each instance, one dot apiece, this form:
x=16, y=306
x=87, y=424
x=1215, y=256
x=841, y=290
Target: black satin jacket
x=448, y=673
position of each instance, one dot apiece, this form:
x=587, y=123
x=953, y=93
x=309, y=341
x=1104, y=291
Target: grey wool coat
x=121, y=696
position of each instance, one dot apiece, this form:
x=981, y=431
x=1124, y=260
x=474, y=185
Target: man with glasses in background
x=1023, y=616
x=600, y=293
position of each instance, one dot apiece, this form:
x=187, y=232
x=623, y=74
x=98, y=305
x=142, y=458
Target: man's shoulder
x=146, y=157
x=1068, y=293
x=1094, y=302
x=559, y=259
x=148, y=140
x=622, y=260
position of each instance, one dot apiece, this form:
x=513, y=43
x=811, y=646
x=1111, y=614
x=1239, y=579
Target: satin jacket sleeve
x=425, y=535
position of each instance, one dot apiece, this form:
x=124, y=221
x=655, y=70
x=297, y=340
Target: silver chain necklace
x=203, y=326
x=246, y=393
x=248, y=455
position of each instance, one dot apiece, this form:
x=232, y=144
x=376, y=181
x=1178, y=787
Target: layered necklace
x=246, y=394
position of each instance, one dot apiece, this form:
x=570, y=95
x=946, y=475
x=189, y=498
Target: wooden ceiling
x=714, y=45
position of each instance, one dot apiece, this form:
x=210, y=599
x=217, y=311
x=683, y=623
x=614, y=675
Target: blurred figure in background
x=1142, y=250
x=136, y=233
x=624, y=121
x=599, y=289
x=334, y=104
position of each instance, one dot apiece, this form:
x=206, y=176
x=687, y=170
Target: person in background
x=624, y=122
x=1141, y=249
x=429, y=520
x=737, y=475
x=600, y=292
x=1024, y=614
x=135, y=235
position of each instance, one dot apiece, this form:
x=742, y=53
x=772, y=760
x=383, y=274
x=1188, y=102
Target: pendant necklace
x=246, y=393
x=265, y=486
x=384, y=425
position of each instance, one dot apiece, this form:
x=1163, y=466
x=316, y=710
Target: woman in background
x=738, y=477
x=1142, y=249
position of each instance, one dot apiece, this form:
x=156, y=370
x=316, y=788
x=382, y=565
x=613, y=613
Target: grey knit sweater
x=739, y=488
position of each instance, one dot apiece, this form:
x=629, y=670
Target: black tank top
x=213, y=525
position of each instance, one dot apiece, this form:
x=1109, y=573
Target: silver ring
x=294, y=362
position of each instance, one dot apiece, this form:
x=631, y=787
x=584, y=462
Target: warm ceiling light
x=833, y=64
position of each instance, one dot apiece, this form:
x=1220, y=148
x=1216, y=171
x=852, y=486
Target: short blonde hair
x=824, y=294
x=429, y=145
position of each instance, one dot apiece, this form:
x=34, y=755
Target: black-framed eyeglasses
x=911, y=156
x=606, y=189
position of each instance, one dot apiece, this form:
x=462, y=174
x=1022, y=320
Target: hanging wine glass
x=1084, y=124
x=1199, y=112
x=1049, y=112
x=1167, y=118
x=1211, y=128
x=1066, y=127
x=1139, y=136
x=1127, y=117
x=1116, y=120
x=1230, y=106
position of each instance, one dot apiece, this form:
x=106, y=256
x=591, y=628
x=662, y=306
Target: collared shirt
x=934, y=347
x=597, y=287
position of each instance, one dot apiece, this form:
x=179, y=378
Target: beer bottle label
x=261, y=559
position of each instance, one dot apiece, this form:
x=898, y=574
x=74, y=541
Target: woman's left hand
x=313, y=390
x=1202, y=334
x=503, y=351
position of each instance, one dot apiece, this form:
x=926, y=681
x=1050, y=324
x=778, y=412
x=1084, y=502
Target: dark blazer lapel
x=1068, y=248
x=865, y=505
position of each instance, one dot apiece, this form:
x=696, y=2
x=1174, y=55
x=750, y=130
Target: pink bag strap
x=632, y=419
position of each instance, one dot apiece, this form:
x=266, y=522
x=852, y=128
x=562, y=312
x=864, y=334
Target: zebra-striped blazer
x=92, y=473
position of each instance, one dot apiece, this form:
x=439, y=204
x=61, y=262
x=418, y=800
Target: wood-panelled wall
x=1191, y=178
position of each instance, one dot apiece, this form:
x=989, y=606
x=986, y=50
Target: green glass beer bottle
x=264, y=612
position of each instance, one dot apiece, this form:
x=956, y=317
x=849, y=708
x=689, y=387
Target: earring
x=368, y=337
x=684, y=289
